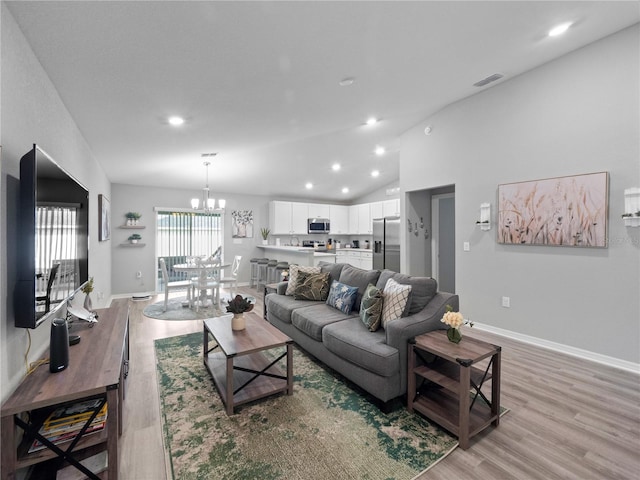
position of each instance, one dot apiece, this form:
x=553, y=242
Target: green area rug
x=177, y=310
x=326, y=430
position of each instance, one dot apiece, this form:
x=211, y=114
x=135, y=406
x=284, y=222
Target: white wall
x=577, y=114
x=32, y=112
x=127, y=261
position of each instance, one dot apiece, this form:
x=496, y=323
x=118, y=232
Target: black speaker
x=59, y=346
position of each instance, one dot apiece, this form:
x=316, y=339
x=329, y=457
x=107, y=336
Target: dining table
x=201, y=269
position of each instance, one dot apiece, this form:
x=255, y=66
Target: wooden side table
x=456, y=401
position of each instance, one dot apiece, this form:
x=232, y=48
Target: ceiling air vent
x=489, y=79
x=207, y=155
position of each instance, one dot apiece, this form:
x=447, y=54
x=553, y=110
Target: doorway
x=443, y=252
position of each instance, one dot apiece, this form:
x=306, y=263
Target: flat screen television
x=53, y=246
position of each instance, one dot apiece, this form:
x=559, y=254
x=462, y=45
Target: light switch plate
x=466, y=247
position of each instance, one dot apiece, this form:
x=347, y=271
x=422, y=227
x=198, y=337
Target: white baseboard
x=559, y=347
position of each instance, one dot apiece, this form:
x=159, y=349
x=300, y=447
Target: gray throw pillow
x=371, y=307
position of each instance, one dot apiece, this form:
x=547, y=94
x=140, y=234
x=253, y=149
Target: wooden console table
x=453, y=375
x=97, y=367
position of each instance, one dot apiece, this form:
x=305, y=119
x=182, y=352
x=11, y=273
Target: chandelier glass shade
x=207, y=204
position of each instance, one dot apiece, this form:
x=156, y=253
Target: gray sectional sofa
x=375, y=361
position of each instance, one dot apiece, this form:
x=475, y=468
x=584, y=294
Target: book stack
x=64, y=423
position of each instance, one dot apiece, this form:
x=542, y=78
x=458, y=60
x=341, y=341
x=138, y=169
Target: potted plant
x=238, y=306
x=132, y=218
x=134, y=238
x=265, y=234
x=87, y=288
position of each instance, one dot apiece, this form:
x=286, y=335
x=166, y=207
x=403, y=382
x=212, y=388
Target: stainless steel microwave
x=318, y=225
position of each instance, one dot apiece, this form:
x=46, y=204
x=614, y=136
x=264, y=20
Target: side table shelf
x=450, y=393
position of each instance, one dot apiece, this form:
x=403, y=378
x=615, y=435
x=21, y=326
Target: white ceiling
x=257, y=82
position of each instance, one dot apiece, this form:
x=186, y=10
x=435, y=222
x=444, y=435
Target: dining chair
x=207, y=279
x=168, y=286
x=232, y=280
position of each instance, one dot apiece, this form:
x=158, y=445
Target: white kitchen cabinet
x=366, y=260
x=356, y=258
x=376, y=210
x=299, y=218
x=319, y=210
x=339, y=218
x=365, y=226
x=288, y=218
x=353, y=219
x=391, y=208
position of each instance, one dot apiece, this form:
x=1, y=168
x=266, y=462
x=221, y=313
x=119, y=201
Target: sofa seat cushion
x=352, y=341
x=282, y=306
x=312, y=319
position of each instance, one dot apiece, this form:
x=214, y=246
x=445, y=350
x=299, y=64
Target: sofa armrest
x=400, y=331
x=282, y=288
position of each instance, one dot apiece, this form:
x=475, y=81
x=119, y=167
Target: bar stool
x=253, y=275
x=276, y=272
x=272, y=273
x=262, y=272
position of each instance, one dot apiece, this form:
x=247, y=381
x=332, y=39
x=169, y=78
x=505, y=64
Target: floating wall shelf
x=133, y=227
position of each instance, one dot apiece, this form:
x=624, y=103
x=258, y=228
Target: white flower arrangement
x=455, y=320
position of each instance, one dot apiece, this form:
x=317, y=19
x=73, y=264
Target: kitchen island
x=298, y=255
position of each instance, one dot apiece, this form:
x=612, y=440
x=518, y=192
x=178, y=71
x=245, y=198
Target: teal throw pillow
x=371, y=307
x=342, y=296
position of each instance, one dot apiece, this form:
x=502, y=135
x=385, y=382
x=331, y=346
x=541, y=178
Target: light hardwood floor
x=569, y=418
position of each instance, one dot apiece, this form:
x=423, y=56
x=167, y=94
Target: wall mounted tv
x=53, y=245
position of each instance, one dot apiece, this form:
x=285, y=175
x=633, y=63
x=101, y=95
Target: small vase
x=453, y=334
x=87, y=303
x=238, y=322
x=265, y=242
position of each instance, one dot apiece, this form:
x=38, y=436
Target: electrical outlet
x=138, y=274
x=100, y=295
x=506, y=302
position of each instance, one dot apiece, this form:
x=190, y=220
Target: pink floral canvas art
x=562, y=211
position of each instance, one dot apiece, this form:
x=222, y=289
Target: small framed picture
x=104, y=218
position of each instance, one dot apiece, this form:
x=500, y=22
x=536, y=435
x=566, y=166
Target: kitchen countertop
x=292, y=249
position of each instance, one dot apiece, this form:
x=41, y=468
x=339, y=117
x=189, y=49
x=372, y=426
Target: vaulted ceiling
x=258, y=83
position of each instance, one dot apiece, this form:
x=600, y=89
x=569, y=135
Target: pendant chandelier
x=208, y=204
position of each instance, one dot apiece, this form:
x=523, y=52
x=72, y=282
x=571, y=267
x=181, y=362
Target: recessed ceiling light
x=175, y=121
x=335, y=167
x=560, y=29
x=345, y=190
x=308, y=185
x=380, y=150
x=372, y=121
x=375, y=173
x=347, y=82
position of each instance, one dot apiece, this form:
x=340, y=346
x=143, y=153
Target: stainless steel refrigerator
x=386, y=243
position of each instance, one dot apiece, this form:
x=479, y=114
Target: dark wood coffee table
x=240, y=369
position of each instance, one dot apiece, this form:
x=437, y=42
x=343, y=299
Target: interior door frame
x=435, y=232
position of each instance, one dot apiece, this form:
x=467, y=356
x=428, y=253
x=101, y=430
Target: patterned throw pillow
x=293, y=276
x=371, y=307
x=395, y=298
x=342, y=296
x=312, y=286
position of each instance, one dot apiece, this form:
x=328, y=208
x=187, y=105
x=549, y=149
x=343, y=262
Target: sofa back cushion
x=333, y=269
x=357, y=277
x=423, y=289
